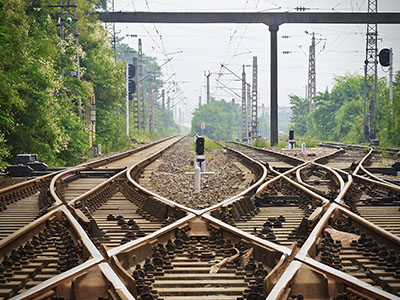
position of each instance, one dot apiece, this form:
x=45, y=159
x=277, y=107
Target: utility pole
x=110, y=27
x=163, y=99
x=168, y=103
x=69, y=22
x=370, y=74
x=248, y=86
x=127, y=99
x=254, y=95
x=136, y=113
x=175, y=111
x=391, y=76
x=199, y=101
x=151, y=105
x=244, y=107
x=312, y=82
x=140, y=87
x=208, y=88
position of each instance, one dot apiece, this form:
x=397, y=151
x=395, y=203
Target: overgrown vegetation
x=338, y=115
x=259, y=143
x=39, y=108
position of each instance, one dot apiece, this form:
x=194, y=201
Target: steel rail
x=306, y=190
x=328, y=156
x=243, y=193
x=57, y=279
x=140, y=241
x=101, y=161
x=25, y=183
x=310, y=187
x=279, y=288
x=265, y=184
x=273, y=275
x=97, y=188
x=316, y=232
x=340, y=179
x=369, y=180
x=77, y=229
x=300, y=258
x=115, y=281
x=7, y=242
x=55, y=179
x=349, y=279
x=369, y=225
x=112, y=178
x=339, y=198
x=275, y=153
x=33, y=227
x=376, y=178
x=126, y=153
x=334, y=207
x=94, y=252
x=150, y=193
x=38, y=224
x=362, y=161
x=247, y=236
x=379, y=183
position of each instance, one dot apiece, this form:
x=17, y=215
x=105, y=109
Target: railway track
x=319, y=229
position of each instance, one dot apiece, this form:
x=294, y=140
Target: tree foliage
x=35, y=100
x=338, y=115
x=40, y=109
x=222, y=120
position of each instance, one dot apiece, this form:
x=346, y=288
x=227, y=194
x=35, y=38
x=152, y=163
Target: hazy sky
x=199, y=48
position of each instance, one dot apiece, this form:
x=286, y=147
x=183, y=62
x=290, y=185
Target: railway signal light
x=384, y=57
x=200, y=146
x=131, y=88
x=131, y=82
x=68, y=21
x=131, y=71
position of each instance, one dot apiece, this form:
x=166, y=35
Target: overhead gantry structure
x=272, y=20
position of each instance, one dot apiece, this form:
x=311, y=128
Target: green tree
x=300, y=110
x=338, y=114
x=32, y=99
x=165, y=123
x=389, y=115
x=222, y=120
x=39, y=109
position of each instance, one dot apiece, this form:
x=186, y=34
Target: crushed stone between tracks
x=170, y=181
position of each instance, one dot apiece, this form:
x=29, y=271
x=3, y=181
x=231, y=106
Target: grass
x=281, y=144
x=310, y=142
x=259, y=143
x=211, y=145
x=187, y=150
x=189, y=169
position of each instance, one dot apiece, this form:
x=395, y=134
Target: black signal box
x=200, y=146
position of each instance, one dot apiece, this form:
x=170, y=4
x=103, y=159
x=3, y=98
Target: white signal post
x=199, y=165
